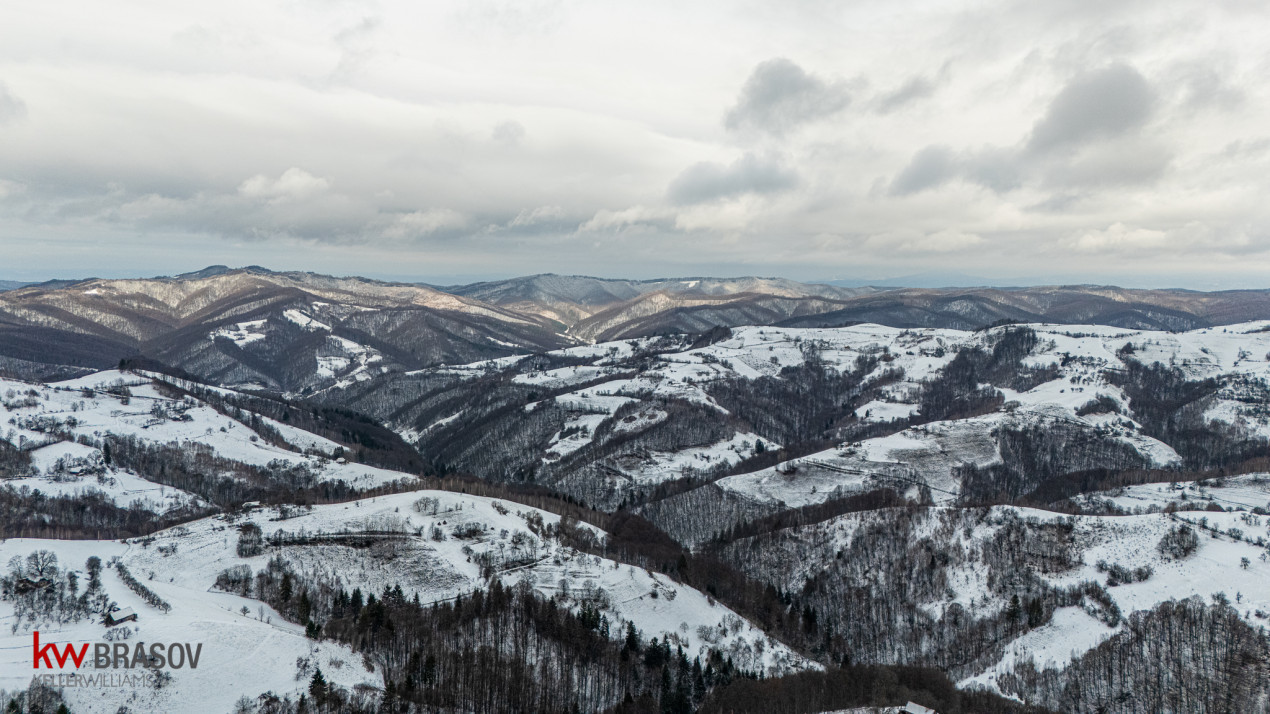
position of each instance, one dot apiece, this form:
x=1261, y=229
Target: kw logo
x=117, y=655
x=67, y=653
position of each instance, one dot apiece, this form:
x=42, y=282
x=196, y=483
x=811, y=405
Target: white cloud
x=910, y=241
x=1194, y=239
x=611, y=220
x=499, y=137
x=423, y=223
x=1118, y=237
x=537, y=216
x=12, y=108
x=9, y=188
x=294, y=184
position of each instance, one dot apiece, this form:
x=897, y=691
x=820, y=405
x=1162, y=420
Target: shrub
x=1180, y=542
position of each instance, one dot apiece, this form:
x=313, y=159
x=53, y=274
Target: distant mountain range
x=295, y=331
x=281, y=331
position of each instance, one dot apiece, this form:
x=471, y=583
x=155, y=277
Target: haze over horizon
x=1071, y=142
x=934, y=279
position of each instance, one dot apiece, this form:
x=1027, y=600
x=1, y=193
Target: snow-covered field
x=1081, y=357
x=241, y=654
x=658, y=466
x=91, y=406
x=444, y=543
x=257, y=652
x=1247, y=492
x=1231, y=562
x=919, y=456
x=70, y=468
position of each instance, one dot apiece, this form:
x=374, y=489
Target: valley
x=1028, y=516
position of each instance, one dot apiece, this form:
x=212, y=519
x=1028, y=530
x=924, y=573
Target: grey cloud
x=508, y=132
x=1058, y=203
x=293, y=204
x=708, y=181
x=907, y=93
x=780, y=95
x=1205, y=88
x=12, y=108
x=1245, y=149
x=1119, y=164
x=930, y=167
x=993, y=167
x=512, y=19
x=1098, y=105
x=1087, y=137
x=359, y=46
x=403, y=150
x=540, y=221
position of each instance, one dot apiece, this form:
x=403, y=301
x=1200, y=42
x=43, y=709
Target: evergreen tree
x=318, y=687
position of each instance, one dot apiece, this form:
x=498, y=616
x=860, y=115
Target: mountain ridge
x=291, y=331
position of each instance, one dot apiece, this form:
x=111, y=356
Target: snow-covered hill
x=1018, y=507
x=432, y=544
x=56, y=423
x=869, y=390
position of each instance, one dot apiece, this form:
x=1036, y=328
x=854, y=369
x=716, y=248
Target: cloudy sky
x=1065, y=140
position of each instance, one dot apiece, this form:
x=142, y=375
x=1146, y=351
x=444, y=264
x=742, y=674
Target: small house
x=26, y=585
x=118, y=617
x=915, y=708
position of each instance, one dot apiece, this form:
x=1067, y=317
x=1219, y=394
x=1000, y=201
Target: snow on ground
x=1070, y=633
x=766, y=350
x=66, y=456
x=441, y=569
x=1210, y=351
x=305, y=321
x=868, y=710
x=1252, y=417
x=1081, y=355
x=813, y=479
x=242, y=333
x=1217, y=567
x=253, y=653
x=122, y=487
x=582, y=428
x=1248, y=491
x=301, y=439
x=83, y=407
x=921, y=455
x=661, y=608
x=563, y=376
x=878, y=410
x=924, y=455
x=1081, y=352
x=595, y=399
x=350, y=361
x=447, y=420
x=657, y=466
x=240, y=654
x=437, y=555
x=97, y=380
x=1231, y=563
